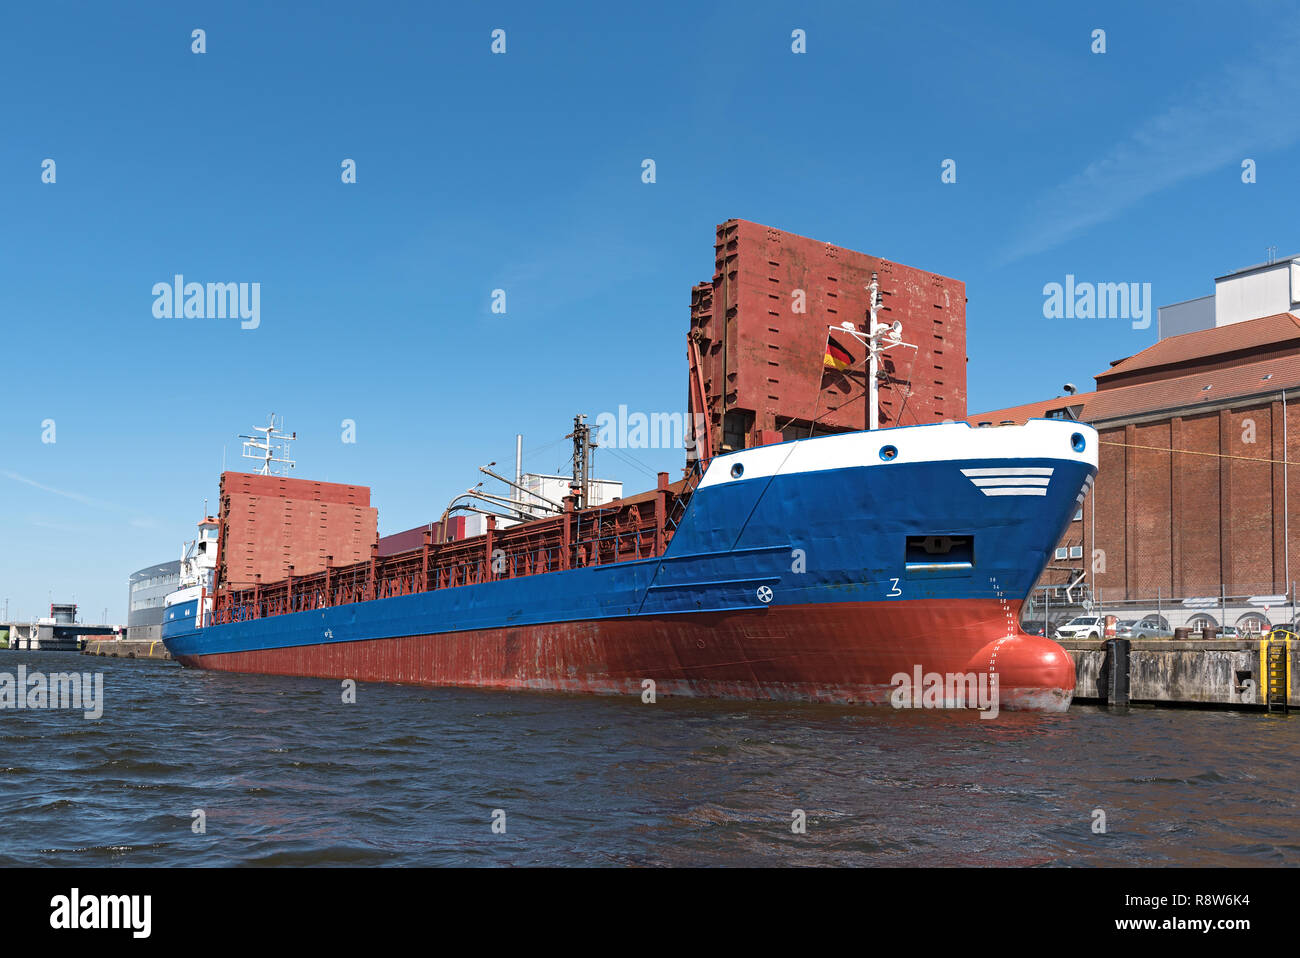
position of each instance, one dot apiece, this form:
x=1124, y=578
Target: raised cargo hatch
x=759, y=340
x=272, y=523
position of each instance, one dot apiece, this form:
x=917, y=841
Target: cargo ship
x=799, y=565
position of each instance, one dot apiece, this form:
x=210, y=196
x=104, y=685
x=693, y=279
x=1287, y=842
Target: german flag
x=837, y=357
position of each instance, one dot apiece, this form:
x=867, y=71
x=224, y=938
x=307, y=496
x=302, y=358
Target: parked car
x=1147, y=627
x=1040, y=627
x=1081, y=627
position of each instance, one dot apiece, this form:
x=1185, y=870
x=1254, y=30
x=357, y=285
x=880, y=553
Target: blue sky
x=522, y=171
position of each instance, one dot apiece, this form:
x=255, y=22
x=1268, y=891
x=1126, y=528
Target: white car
x=1081, y=627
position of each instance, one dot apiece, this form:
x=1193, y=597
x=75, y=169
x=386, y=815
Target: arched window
x=1255, y=623
x=1202, y=620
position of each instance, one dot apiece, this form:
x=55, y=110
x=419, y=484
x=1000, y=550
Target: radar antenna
x=264, y=447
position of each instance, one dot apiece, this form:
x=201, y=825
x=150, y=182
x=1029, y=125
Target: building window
x=1062, y=552
x=1078, y=515
x=1254, y=623
x=1076, y=552
x=1064, y=412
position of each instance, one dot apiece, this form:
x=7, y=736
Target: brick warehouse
x=1194, y=499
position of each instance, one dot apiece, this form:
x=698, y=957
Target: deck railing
x=621, y=531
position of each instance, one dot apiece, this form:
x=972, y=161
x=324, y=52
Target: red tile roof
x=1223, y=358
x=1033, y=410
x=1219, y=342
x=1176, y=394
x=1234, y=382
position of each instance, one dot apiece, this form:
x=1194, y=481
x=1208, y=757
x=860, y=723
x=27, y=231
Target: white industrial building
x=1262, y=290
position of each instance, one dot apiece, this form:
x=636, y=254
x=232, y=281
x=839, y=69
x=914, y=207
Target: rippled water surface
x=289, y=775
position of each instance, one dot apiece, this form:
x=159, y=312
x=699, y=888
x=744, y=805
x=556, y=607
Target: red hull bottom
x=834, y=653
x=846, y=654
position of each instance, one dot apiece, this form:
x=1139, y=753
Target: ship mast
x=878, y=340
x=582, y=451
x=264, y=448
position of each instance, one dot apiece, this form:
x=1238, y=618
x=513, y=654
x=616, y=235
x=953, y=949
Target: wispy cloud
x=137, y=522
x=66, y=494
x=1245, y=109
x=55, y=525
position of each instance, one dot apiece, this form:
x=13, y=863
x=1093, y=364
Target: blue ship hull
x=817, y=569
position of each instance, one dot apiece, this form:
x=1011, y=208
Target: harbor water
x=190, y=768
